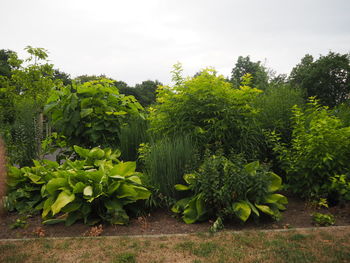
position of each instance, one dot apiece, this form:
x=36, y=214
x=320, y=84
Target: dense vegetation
x=208, y=147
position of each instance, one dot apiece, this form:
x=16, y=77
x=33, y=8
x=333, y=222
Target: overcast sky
x=136, y=40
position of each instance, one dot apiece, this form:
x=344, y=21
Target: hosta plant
x=225, y=189
x=97, y=187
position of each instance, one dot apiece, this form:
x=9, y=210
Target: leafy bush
x=210, y=110
x=275, y=109
x=225, y=188
x=166, y=161
x=94, y=188
x=23, y=135
x=92, y=114
x=323, y=219
x=319, y=150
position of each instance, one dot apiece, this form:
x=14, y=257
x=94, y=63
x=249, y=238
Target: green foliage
x=97, y=187
x=257, y=71
x=19, y=223
x=92, y=114
x=323, y=219
x=23, y=135
x=5, y=67
x=327, y=78
x=319, y=150
x=275, y=109
x=210, y=110
x=131, y=135
x=166, y=161
x=23, y=93
x=225, y=188
x=340, y=184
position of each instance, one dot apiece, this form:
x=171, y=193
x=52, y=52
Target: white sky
x=136, y=40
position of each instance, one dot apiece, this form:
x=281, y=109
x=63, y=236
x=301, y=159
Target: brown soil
x=298, y=214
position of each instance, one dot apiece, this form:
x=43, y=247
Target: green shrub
x=323, y=219
x=92, y=114
x=23, y=135
x=98, y=187
x=225, y=188
x=320, y=149
x=166, y=161
x=211, y=111
x=275, y=109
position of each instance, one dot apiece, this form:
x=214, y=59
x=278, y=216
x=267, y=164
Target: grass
x=321, y=245
x=167, y=161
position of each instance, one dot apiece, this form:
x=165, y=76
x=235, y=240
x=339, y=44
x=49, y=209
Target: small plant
x=125, y=258
x=19, y=223
x=226, y=189
x=320, y=219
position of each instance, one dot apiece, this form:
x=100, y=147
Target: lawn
x=306, y=245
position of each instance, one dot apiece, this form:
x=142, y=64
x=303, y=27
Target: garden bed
x=298, y=214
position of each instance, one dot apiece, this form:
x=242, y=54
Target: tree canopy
x=327, y=78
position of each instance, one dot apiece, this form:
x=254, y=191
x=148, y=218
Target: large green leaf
x=86, y=112
x=88, y=190
x=113, y=187
x=251, y=168
x=276, y=198
x=63, y=199
x=126, y=190
x=276, y=182
x=242, y=209
x=53, y=221
x=47, y=206
x=180, y=205
x=265, y=209
x=56, y=184
x=73, y=217
x=96, y=153
x=84, y=153
x=195, y=210
x=181, y=187
x=123, y=169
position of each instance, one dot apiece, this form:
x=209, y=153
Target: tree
x=244, y=66
x=327, y=78
x=146, y=92
x=5, y=67
x=23, y=94
x=64, y=77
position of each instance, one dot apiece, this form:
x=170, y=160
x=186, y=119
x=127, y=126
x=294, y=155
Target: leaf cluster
x=225, y=189
x=92, y=114
x=319, y=150
x=97, y=187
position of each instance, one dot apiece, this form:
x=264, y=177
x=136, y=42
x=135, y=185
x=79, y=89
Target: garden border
x=175, y=235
